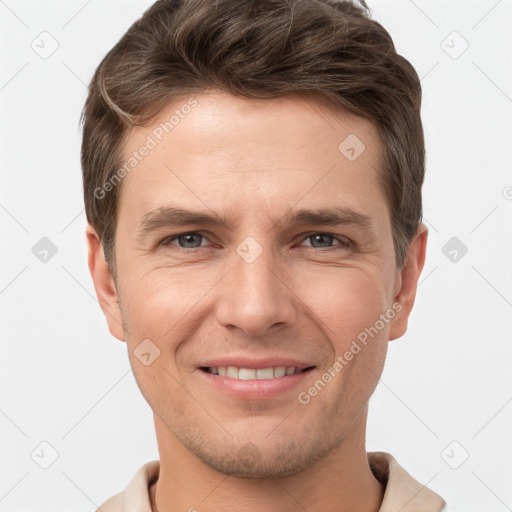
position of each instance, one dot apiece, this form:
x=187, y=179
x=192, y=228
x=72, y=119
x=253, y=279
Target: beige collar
x=402, y=492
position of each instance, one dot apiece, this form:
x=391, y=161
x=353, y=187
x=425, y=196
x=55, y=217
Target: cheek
x=159, y=303
x=345, y=300
x=349, y=307
x=349, y=304
x=159, y=307
x=160, y=384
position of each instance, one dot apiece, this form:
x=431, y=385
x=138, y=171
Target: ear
x=104, y=284
x=407, y=282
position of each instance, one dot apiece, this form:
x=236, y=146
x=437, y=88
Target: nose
x=256, y=296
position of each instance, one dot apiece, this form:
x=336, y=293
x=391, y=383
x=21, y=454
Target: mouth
x=243, y=377
x=241, y=373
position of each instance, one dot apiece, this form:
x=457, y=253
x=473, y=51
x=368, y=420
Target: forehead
x=215, y=150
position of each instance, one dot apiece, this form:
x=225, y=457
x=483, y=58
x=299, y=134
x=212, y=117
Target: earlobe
x=104, y=284
x=408, y=282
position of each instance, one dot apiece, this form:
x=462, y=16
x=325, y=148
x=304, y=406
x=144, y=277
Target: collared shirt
x=402, y=492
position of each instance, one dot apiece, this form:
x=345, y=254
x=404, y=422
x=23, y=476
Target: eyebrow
x=174, y=216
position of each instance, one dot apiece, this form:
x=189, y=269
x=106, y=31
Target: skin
x=304, y=297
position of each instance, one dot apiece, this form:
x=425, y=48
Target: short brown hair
x=256, y=49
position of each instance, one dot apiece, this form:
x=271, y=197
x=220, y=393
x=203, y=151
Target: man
x=252, y=182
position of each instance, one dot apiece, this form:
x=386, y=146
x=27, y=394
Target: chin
x=262, y=459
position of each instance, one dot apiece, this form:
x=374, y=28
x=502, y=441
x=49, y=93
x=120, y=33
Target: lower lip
x=257, y=389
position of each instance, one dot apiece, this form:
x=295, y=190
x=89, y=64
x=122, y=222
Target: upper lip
x=246, y=362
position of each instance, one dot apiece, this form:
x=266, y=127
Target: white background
x=66, y=381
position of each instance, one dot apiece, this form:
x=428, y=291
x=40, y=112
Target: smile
x=233, y=372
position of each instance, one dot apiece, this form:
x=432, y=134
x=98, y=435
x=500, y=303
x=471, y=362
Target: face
x=256, y=277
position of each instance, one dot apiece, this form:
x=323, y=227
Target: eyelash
x=344, y=242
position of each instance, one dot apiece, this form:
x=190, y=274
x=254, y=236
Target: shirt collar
x=402, y=492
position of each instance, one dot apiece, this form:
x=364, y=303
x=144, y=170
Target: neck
x=340, y=482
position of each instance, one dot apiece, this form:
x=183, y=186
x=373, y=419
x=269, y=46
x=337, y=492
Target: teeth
x=280, y=371
x=246, y=374
x=251, y=374
x=232, y=371
x=265, y=373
